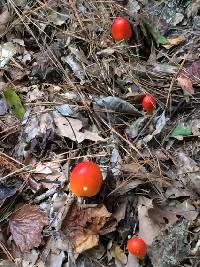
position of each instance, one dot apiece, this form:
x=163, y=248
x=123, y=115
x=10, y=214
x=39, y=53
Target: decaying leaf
x=116, y=162
x=148, y=230
x=26, y=226
x=6, y=191
x=3, y=107
x=83, y=225
x=188, y=172
x=116, y=104
x=188, y=76
x=49, y=173
x=76, y=67
x=119, y=255
x=71, y=128
x=7, y=51
x=174, y=41
x=186, y=84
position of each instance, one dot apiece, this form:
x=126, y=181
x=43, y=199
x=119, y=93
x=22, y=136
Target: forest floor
x=70, y=93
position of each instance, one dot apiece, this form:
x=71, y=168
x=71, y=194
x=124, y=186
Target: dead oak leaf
x=84, y=225
x=26, y=225
x=71, y=128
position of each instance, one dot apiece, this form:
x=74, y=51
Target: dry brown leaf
x=26, y=225
x=83, y=226
x=118, y=254
x=188, y=76
x=71, y=128
x=175, y=41
x=186, y=84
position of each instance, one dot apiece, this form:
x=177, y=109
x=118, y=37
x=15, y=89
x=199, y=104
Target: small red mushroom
x=137, y=246
x=121, y=29
x=86, y=179
x=149, y=102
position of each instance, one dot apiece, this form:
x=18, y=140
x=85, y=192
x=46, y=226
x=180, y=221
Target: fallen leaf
x=116, y=162
x=6, y=191
x=186, y=84
x=57, y=18
x=180, y=131
x=76, y=67
x=148, y=230
x=117, y=104
x=133, y=261
x=118, y=254
x=185, y=209
x=65, y=110
x=26, y=226
x=188, y=76
x=193, y=8
x=157, y=36
x=3, y=107
x=7, y=51
x=14, y=102
x=188, y=172
x=71, y=128
x=49, y=174
x=83, y=225
x=120, y=211
x=174, y=41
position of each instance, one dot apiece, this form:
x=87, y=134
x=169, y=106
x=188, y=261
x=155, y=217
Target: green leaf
x=14, y=102
x=180, y=130
x=157, y=36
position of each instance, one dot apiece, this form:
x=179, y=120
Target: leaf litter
x=70, y=93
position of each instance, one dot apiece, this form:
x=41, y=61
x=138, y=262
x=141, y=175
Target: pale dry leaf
x=188, y=172
x=185, y=209
x=118, y=254
x=71, y=128
x=190, y=75
x=120, y=211
x=85, y=241
x=133, y=261
x=175, y=41
x=148, y=230
x=186, y=84
x=4, y=16
x=51, y=172
x=193, y=9
x=83, y=225
x=7, y=51
x=26, y=226
x=116, y=162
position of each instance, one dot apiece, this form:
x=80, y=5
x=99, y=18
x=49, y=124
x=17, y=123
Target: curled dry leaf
x=83, y=226
x=26, y=225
